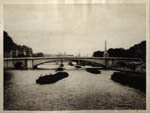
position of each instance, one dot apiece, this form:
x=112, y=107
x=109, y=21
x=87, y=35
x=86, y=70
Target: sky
x=75, y=28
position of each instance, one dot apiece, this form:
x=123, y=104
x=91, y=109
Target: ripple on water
x=81, y=90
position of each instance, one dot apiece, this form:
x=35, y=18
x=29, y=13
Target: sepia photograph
x=74, y=57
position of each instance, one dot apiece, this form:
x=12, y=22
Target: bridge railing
x=104, y=58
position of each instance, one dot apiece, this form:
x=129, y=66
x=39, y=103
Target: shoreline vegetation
x=12, y=49
x=136, y=51
x=133, y=79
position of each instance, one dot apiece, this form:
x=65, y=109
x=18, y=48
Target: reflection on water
x=81, y=90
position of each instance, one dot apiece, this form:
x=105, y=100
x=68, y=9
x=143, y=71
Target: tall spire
x=105, y=52
x=105, y=45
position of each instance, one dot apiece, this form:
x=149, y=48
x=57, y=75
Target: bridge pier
x=61, y=62
x=109, y=63
x=23, y=64
x=26, y=64
x=56, y=62
x=78, y=62
x=29, y=64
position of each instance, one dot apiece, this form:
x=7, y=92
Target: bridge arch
x=121, y=63
x=19, y=65
x=78, y=61
x=36, y=65
x=90, y=62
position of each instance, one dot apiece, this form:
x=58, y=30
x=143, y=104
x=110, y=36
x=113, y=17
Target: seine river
x=80, y=91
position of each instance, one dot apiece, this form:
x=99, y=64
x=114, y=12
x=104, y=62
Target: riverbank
x=123, y=69
x=133, y=79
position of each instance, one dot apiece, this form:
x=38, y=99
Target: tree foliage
x=10, y=45
x=136, y=51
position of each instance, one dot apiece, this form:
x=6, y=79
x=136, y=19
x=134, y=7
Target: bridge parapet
x=104, y=58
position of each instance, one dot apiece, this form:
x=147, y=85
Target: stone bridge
x=32, y=62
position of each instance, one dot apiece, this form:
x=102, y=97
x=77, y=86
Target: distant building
x=10, y=54
x=19, y=53
x=28, y=53
x=106, y=54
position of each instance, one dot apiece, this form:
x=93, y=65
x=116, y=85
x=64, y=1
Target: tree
x=136, y=51
x=8, y=43
x=98, y=54
x=10, y=46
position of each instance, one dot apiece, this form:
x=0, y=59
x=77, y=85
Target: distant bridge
x=33, y=62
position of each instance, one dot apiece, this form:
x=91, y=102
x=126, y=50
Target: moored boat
x=93, y=70
x=60, y=69
x=77, y=66
x=52, y=78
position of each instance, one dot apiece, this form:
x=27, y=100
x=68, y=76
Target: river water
x=80, y=91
